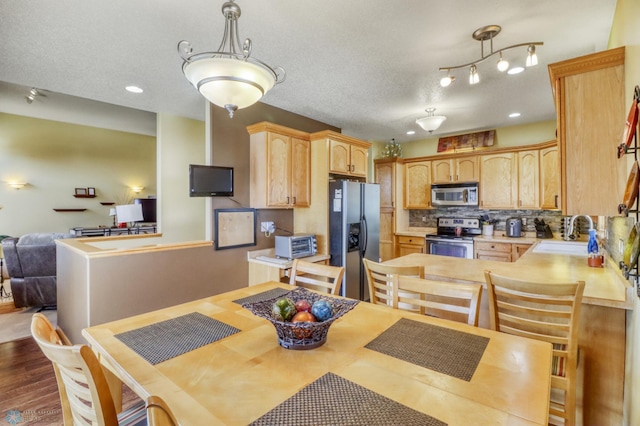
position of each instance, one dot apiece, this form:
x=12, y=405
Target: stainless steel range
x=454, y=237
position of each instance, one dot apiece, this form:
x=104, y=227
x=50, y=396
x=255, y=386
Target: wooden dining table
x=248, y=377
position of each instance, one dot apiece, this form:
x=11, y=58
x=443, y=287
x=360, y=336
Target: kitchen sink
x=575, y=248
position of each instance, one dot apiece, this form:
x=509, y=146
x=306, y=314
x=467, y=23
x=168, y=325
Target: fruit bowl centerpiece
x=302, y=335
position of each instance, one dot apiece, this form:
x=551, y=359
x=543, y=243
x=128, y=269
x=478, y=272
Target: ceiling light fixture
x=431, y=122
x=32, y=95
x=489, y=33
x=134, y=89
x=17, y=185
x=230, y=77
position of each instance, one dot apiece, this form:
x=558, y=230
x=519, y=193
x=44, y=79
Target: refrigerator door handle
x=365, y=233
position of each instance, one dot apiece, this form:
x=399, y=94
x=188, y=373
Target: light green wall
x=625, y=32
x=181, y=141
x=54, y=158
x=525, y=134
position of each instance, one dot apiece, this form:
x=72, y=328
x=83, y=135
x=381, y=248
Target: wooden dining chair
x=447, y=300
x=379, y=280
x=159, y=413
x=544, y=311
x=317, y=276
x=84, y=393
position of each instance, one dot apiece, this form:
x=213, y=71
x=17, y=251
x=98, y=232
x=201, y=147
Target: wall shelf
x=107, y=203
x=69, y=210
x=84, y=196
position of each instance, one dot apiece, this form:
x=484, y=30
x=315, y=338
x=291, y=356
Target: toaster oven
x=295, y=246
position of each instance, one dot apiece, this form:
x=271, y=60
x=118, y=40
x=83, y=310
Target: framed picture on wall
x=81, y=191
x=91, y=191
x=235, y=228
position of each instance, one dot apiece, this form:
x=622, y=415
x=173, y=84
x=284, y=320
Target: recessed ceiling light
x=515, y=70
x=514, y=115
x=134, y=89
x=411, y=132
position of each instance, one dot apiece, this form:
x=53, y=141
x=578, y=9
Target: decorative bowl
x=302, y=335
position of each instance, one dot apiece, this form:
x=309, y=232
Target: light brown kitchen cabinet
x=500, y=252
x=347, y=159
x=280, y=160
x=417, y=185
x=499, y=181
x=464, y=169
x=408, y=245
x=518, y=250
x=387, y=235
x=589, y=97
x=549, y=178
x=528, y=179
x=385, y=174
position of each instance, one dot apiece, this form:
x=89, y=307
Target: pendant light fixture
x=488, y=33
x=431, y=122
x=229, y=78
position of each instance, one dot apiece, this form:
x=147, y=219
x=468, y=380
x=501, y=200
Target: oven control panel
x=455, y=222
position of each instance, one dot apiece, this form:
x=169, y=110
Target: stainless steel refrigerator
x=354, y=232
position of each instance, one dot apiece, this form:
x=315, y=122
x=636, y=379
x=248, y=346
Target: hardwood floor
x=28, y=385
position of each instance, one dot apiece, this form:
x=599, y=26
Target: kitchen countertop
x=604, y=286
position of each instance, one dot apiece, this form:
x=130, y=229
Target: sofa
x=31, y=263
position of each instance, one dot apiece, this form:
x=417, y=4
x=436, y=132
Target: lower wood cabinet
x=499, y=251
x=408, y=245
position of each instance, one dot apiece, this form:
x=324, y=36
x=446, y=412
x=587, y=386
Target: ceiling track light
x=431, y=122
x=488, y=33
x=229, y=78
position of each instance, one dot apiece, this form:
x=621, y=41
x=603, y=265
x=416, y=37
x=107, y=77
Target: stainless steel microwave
x=295, y=246
x=454, y=194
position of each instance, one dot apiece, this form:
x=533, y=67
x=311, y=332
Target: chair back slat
x=317, y=276
x=548, y=312
x=379, y=281
x=448, y=300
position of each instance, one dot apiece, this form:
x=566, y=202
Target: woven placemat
x=261, y=297
x=167, y=339
x=441, y=349
x=333, y=400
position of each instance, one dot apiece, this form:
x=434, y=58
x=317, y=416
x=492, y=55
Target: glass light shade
x=431, y=123
x=228, y=81
x=532, y=59
x=473, y=75
x=503, y=65
x=446, y=81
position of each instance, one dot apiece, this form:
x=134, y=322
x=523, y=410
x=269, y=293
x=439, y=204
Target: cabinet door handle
x=556, y=200
x=287, y=200
x=294, y=200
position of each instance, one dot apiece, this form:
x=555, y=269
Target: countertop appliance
x=454, y=237
x=455, y=194
x=295, y=246
x=513, y=227
x=354, y=232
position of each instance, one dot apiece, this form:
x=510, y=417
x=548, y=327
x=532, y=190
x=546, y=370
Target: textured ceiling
x=369, y=67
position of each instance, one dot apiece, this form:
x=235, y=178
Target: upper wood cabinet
x=589, y=97
x=549, y=178
x=499, y=181
x=528, y=180
x=280, y=167
x=417, y=185
x=347, y=158
x=385, y=175
x=464, y=169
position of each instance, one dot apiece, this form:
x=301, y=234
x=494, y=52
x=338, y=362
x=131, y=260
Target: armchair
x=31, y=263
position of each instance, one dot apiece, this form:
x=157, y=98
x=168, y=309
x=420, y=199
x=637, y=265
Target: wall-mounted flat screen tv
x=210, y=181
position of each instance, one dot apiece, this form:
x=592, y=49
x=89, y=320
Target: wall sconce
x=137, y=189
x=17, y=185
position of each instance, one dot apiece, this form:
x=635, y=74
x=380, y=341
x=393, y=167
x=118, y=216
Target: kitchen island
x=607, y=297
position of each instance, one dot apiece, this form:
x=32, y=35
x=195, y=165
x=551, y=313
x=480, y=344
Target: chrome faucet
x=569, y=232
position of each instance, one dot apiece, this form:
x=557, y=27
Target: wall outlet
x=424, y=218
x=267, y=227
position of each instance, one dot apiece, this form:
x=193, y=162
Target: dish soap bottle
x=595, y=258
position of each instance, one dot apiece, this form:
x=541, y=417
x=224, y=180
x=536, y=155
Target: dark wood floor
x=28, y=385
